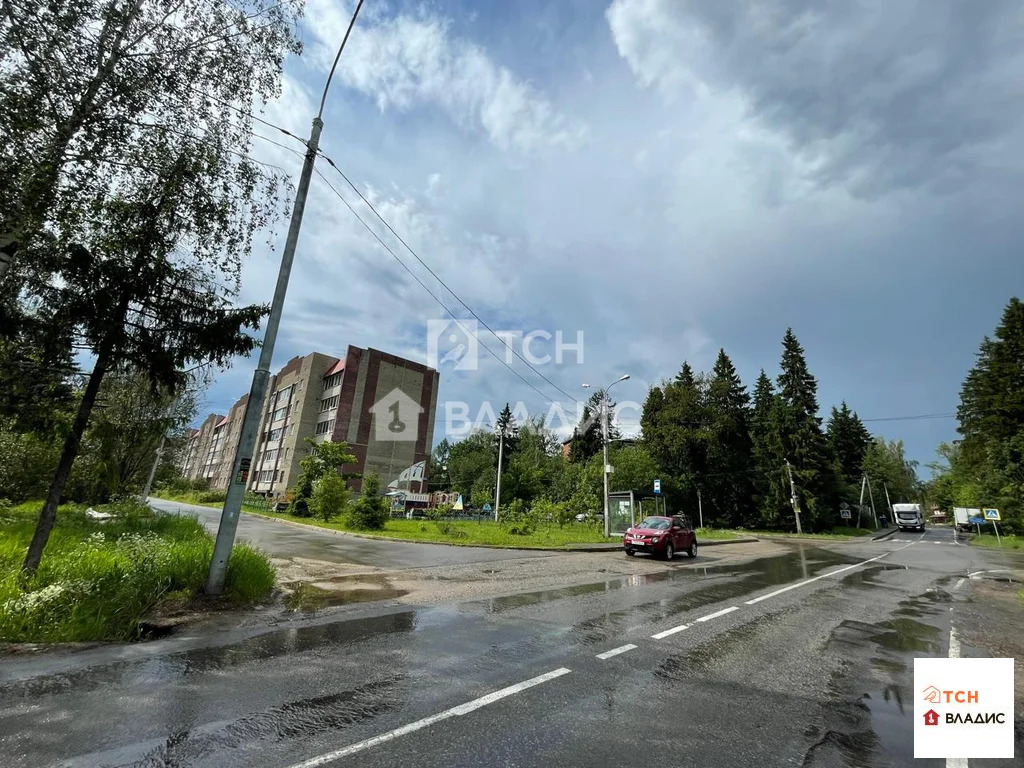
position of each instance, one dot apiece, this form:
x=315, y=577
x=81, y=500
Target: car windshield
x=907, y=514
x=654, y=523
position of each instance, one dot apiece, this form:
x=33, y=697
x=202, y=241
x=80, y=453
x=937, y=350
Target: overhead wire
x=437, y=277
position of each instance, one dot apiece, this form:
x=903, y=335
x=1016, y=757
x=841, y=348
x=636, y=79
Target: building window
x=280, y=476
x=325, y=426
x=270, y=455
x=333, y=380
x=274, y=434
x=329, y=404
x=282, y=395
x=279, y=414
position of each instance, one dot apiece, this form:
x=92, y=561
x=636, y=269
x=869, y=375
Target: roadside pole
x=792, y=496
x=604, y=467
x=996, y=527
x=860, y=504
x=700, y=509
x=871, y=495
x=497, y=488
x=152, y=470
x=888, y=503
x=261, y=376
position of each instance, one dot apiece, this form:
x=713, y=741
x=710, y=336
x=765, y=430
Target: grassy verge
x=839, y=533
x=989, y=540
x=199, y=498
x=98, y=578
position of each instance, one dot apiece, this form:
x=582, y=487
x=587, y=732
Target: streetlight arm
x=327, y=85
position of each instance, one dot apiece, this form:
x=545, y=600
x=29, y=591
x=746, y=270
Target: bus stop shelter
x=626, y=508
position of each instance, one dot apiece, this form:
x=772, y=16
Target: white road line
x=716, y=614
x=668, y=632
x=458, y=711
x=615, y=651
x=825, y=575
x=954, y=653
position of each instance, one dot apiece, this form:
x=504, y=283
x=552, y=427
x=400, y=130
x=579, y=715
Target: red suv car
x=662, y=536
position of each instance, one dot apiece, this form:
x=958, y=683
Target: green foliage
x=547, y=511
x=887, y=468
x=330, y=497
x=211, y=497
x=986, y=468
x=101, y=578
x=588, y=436
x=728, y=489
x=517, y=518
x=371, y=510
x=770, y=491
x=322, y=457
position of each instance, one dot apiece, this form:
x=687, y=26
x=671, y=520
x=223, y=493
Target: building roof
x=336, y=368
x=221, y=423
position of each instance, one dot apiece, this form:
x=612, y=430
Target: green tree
x=438, y=465
x=803, y=442
x=770, y=492
x=587, y=439
x=848, y=439
x=371, y=510
x=323, y=458
x=534, y=464
x=472, y=463
x=727, y=492
x=330, y=497
x=888, y=468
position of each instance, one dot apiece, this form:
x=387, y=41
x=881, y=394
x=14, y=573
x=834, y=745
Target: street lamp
x=261, y=376
x=604, y=447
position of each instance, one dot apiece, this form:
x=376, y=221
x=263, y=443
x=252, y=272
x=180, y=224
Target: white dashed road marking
x=716, y=614
x=668, y=632
x=954, y=653
x=462, y=709
x=616, y=651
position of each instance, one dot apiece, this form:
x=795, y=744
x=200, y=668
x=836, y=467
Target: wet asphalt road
x=286, y=541
x=819, y=674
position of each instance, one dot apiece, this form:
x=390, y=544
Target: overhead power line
x=423, y=285
x=437, y=277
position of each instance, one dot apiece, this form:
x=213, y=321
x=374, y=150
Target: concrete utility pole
x=871, y=495
x=860, y=504
x=497, y=487
x=152, y=470
x=792, y=496
x=250, y=421
x=605, y=407
x=700, y=509
x=888, y=503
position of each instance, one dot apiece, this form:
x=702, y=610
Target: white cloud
x=404, y=62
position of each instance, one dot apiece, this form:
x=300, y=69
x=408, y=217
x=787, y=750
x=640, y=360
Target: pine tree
x=848, y=439
x=770, y=492
x=588, y=435
x=506, y=425
x=727, y=490
x=803, y=442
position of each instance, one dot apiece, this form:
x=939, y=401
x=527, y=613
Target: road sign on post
x=992, y=514
x=976, y=520
x=845, y=514
x=657, y=485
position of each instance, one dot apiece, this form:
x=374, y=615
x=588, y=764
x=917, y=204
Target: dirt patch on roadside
x=990, y=621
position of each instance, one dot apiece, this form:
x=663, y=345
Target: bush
x=371, y=510
x=517, y=519
x=96, y=580
x=211, y=497
x=330, y=497
x=551, y=511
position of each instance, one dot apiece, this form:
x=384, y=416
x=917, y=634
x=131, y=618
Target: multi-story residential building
x=226, y=435
x=200, y=444
x=383, y=406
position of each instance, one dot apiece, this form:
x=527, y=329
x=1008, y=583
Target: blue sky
x=669, y=178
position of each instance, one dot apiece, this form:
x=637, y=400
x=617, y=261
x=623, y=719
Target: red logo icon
x=931, y=717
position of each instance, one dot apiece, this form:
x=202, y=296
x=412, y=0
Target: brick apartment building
x=382, y=405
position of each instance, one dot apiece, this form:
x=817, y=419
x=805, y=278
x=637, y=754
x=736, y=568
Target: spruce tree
x=803, y=442
x=727, y=490
x=770, y=494
x=848, y=439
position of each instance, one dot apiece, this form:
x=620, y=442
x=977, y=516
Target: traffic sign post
x=657, y=485
x=844, y=511
x=992, y=515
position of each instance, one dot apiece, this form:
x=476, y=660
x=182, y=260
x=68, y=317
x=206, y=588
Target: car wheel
x=631, y=552
x=670, y=551
x=693, y=550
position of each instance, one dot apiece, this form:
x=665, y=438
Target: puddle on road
x=871, y=721
x=310, y=597
x=174, y=667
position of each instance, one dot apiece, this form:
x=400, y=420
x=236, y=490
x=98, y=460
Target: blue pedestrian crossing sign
x=657, y=485
x=992, y=514
x=488, y=508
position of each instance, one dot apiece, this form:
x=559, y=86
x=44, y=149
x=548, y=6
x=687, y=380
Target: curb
x=564, y=548
x=885, y=535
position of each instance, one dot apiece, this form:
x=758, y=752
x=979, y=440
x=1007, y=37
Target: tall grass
x=97, y=579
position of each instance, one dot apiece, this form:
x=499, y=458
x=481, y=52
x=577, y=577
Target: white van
x=908, y=516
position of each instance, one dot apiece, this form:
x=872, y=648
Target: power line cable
x=437, y=277
x=422, y=284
